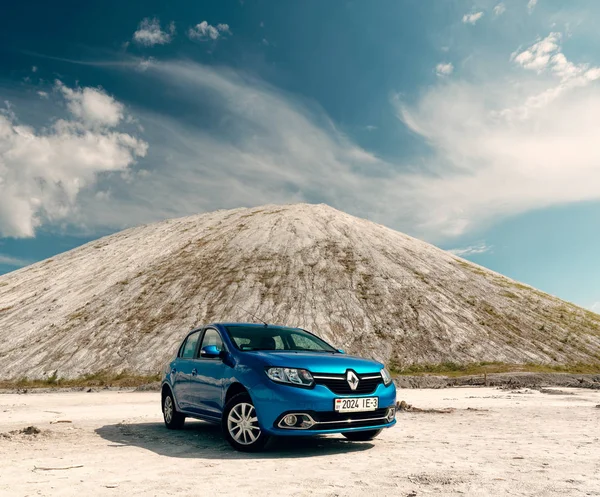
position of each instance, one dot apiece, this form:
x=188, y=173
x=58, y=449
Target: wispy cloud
x=531, y=133
x=595, y=307
x=149, y=33
x=268, y=146
x=472, y=18
x=531, y=5
x=444, y=69
x=205, y=32
x=8, y=260
x=499, y=9
x=480, y=248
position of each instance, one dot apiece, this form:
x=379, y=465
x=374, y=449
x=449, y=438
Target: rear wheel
x=362, y=436
x=240, y=425
x=174, y=420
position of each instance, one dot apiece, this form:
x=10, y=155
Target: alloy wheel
x=168, y=409
x=242, y=424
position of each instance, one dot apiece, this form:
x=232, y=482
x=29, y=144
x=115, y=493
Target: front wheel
x=240, y=425
x=362, y=436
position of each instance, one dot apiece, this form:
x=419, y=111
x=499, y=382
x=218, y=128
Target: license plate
x=356, y=405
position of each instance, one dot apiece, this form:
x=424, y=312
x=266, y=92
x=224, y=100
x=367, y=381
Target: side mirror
x=341, y=351
x=210, y=352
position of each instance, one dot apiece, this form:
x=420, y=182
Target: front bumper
x=273, y=401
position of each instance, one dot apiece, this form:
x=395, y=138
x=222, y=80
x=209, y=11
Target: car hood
x=319, y=362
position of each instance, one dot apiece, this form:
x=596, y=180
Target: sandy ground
x=494, y=442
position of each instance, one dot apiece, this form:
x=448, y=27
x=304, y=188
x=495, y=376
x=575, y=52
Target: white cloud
x=480, y=248
x=505, y=146
x=42, y=94
x=92, y=106
x=545, y=57
x=149, y=33
x=595, y=307
x=472, y=18
x=499, y=9
x=34, y=68
x=444, y=69
x=204, y=31
x=531, y=5
x=489, y=158
x=538, y=56
x=43, y=171
x=8, y=260
x=370, y=127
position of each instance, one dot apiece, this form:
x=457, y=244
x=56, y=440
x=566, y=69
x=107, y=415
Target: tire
x=240, y=425
x=362, y=436
x=174, y=420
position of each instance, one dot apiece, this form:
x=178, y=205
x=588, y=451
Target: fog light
x=391, y=413
x=290, y=420
x=296, y=421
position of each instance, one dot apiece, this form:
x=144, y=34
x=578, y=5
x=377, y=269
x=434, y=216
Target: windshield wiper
x=314, y=350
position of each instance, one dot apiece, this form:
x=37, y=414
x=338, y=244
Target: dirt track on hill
x=484, y=442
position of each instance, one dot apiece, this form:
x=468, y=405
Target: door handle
x=194, y=372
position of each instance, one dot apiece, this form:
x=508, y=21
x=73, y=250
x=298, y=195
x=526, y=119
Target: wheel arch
x=166, y=388
x=234, y=389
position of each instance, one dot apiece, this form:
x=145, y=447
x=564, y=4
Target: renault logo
x=352, y=379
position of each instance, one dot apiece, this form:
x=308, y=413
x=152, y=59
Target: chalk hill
x=123, y=302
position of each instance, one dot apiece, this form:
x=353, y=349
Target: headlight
x=387, y=377
x=300, y=377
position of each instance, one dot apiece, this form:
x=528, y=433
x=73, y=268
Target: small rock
x=30, y=430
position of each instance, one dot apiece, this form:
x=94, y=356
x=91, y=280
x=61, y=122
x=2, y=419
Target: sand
x=493, y=442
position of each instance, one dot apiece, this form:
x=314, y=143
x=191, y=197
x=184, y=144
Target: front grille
x=331, y=420
x=337, y=383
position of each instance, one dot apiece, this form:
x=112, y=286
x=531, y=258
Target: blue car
x=259, y=381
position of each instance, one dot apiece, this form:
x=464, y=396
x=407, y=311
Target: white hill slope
x=123, y=302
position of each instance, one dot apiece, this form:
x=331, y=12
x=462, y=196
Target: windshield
x=247, y=338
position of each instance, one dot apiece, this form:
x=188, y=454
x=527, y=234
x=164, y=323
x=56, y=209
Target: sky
x=470, y=124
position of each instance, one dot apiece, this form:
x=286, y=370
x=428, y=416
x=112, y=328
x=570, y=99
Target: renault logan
x=259, y=381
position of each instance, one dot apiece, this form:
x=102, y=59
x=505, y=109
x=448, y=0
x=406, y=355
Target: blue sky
x=470, y=124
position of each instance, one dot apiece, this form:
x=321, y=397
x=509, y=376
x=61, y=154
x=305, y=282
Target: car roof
x=253, y=325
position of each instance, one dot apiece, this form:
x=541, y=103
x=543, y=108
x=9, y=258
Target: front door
x=207, y=380
x=184, y=365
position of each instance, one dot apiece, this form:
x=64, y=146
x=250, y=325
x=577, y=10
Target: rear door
x=207, y=380
x=183, y=370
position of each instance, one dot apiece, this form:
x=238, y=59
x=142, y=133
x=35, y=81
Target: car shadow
x=205, y=440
